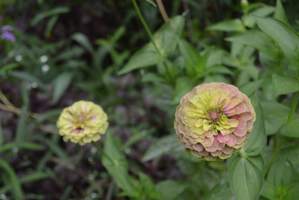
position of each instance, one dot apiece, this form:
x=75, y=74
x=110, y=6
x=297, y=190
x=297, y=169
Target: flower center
x=214, y=115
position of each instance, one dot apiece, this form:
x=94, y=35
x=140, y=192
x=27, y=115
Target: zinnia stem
x=275, y=155
x=103, y=152
x=151, y=38
x=293, y=108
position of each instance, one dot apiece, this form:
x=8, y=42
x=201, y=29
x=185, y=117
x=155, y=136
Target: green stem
x=162, y=10
x=275, y=155
x=145, y=25
x=151, y=38
x=103, y=152
x=294, y=105
x=292, y=111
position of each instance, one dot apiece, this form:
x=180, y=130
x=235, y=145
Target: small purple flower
x=6, y=33
x=6, y=28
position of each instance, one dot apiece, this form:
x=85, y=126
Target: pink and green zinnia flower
x=82, y=122
x=213, y=121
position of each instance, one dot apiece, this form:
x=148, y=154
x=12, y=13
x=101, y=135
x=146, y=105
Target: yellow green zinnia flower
x=82, y=122
x=213, y=121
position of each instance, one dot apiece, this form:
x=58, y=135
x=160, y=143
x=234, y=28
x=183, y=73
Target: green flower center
x=214, y=119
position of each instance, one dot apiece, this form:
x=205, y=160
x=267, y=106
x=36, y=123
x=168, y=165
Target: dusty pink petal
x=241, y=108
x=242, y=125
x=196, y=154
x=199, y=140
x=216, y=153
x=181, y=137
x=203, y=153
x=240, y=133
x=237, y=146
x=221, y=145
x=208, y=142
x=189, y=146
x=222, y=138
x=227, y=150
x=209, y=134
x=239, y=140
x=214, y=146
x=246, y=116
x=249, y=125
x=232, y=140
x=198, y=147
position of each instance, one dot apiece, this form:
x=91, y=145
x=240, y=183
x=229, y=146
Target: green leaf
x=49, y=13
x=54, y=147
x=257, y=140
x=166, y=41
x=281, y=172
x=28, y=77
x=279, y=13
x=284, y=85
x=251, y=87
x=50, y=25
x=21, y=128
x=220, y=192
x=269, y=190
x=275, y=115
x=83, y=40
x=170, y=189
x=152, y=77
x=147, y=56
x=151, y=2
x=163, y=146
x=286, y=37
x=183, y=85
x=9, y=67
x=60, y=85
x=194, y=62
x=16, y=189
x=257, y=40
x=290, y=129
x=260, y=12
x=119, y=168
x=228, y=26
x=219, y=69
x=246, y=176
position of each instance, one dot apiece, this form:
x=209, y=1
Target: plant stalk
x=152, y=38
x=103, y=152
x=293, y=108
x=162, y=10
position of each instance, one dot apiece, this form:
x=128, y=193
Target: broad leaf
x=251, y=87
x=183, y=85
x=246, y=176
x=165, y=40
x=257, y=138
x=275, y=115
x=286, y=37
x=229, y=25
x=279, y=13
x=170, y=189
x=269, y=190
x=290, y=129
x=284, y=85
x=257, y=40
x=281, y=172
x=163, y=146
x=61, y=83
x=118, y=169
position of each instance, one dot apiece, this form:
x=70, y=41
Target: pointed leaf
x=246, y=176
x=284, y=85
x=285, y=36
x=290, y=129
x=257, y=138
x=61, y=83
x=279, y=13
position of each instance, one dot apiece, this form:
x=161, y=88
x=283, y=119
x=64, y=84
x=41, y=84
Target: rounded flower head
x=213, y=121
x=82, y=122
